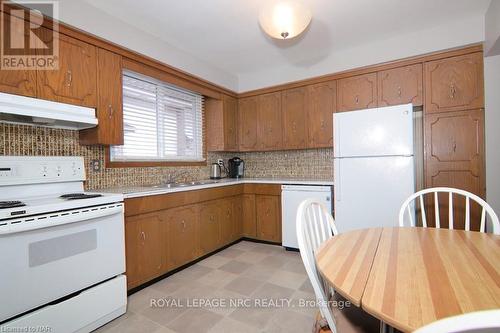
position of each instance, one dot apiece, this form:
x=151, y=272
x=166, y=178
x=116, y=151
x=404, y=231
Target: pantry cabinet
x=322, y=102
x=357, y=92
x=109, y=102
x=182, y=235
x=269, y=125
x=454, y=84
x=75, y=82
x=294, y=116
x=401, y=85
x=145, y=250
x=268, y=217
x=247, y=112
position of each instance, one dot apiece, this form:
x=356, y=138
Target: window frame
x=162, y=163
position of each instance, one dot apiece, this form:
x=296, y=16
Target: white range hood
x=34, y=111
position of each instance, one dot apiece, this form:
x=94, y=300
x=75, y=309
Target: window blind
x=161, y=122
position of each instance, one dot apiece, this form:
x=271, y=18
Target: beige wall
x=36, y=141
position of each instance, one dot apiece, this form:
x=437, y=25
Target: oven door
x=43, y=265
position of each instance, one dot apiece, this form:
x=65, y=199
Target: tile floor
x=249, y=273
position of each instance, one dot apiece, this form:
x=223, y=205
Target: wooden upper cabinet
x=357, y=92
x=454, y=84
x=269, y=122
x=75, y=82
x=247, y=112
x=268, y=217
x=222, y=123
x=109, y=102
x=401, y=85
x=182, y=235
x=322, y=102
x=19, y=82
x=294, y=116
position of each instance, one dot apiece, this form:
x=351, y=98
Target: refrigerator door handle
x=338, y=182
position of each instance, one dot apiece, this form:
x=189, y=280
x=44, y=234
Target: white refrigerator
x=373, y=166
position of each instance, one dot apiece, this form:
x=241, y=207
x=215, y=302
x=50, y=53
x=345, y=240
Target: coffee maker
x=236, y=167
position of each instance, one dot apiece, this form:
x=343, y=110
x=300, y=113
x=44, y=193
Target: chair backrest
x=409, y=208
x=315, y=225
x=475, y=322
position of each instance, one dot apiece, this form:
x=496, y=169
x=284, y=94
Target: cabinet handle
x=111, y=111
x=69, y=78
x=183, y=225
x=322, y=124
x=452, y=91
x=211, y=218
x=143, y=235
x=357, y=99
x=399, y=91
x=268, y=211
x=454, y=147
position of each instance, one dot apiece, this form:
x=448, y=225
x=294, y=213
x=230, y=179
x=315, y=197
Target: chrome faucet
x=172, y=178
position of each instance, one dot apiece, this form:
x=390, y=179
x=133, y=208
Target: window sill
x=139, y=164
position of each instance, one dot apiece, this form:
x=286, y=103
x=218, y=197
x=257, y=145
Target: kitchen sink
x=194, y=183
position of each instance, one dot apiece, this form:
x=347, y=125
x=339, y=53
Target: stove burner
x=76, y=196
x=11, y=204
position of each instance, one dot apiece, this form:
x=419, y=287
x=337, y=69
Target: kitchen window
x=161, y=122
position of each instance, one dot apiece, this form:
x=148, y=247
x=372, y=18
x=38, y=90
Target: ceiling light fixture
x=284, y=19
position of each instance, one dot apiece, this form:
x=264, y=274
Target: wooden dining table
x=410, y=277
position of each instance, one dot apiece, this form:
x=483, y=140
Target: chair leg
x=384, y=328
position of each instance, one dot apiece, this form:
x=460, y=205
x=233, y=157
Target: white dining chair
x=475, y=322
x=314, y=226
x=408, y=210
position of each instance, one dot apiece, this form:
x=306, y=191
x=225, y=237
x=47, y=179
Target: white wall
x=458, y=33
x=492, y=29
x=86, y=17
x=492, y=129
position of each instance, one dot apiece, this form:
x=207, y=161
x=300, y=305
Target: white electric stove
x=63, y=250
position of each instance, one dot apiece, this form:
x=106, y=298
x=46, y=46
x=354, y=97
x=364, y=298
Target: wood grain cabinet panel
x=145, y=251
x=357, y=92
x=247, y=118
x=227, y=224
x=210, y=227
x=237, y=221
x=19, y=82
x=322, y=102
x=269, y=122
x=454, y=84
x=75, y=82
x=182, y=236
x=249, y=221
x=230, y=106
x=109, y=102
x=268, y=217
x=294, y=116
x=400, y=86
x=222, y=123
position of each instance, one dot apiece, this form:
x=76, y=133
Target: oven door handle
x=59, y=218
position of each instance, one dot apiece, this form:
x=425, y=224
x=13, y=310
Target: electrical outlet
x=95, y=165
x=220, y=162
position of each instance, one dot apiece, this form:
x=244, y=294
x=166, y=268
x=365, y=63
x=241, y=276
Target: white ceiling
x=225, y=33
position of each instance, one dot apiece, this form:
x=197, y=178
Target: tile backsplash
x=42, y=141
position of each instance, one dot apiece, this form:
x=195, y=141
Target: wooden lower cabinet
x=182, y=236
x=145, y=252
x=237, y=204
x=210, y=226
x=268, y=217
x=249, y=226
x=227, y=226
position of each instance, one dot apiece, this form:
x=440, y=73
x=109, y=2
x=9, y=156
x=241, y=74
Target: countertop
x=141, y=191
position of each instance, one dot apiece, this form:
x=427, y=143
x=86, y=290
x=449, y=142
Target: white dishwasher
x=291, y=197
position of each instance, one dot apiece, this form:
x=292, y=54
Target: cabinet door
x=237, y=203
x=268, y=217
x=109, y=102
x=454, y=156
x=227, y=225
x=322, y=102
x=400, y=86
x=230, y=107
x=269, y=122
x=182, y=235
x=247, y=111
x=19, y=82
x=145, y=251
x=248, y=220
x=75, y=82
x=454, y=84
x=357, y=92
x=210, y=227
x=294, y=118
